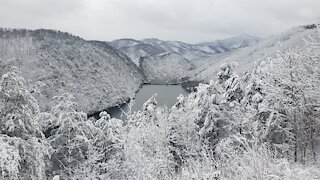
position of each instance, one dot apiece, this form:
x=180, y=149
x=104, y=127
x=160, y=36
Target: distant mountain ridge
x=235, y=42
x=168, y=62
x=247, y=57
x=152, y=46
x=165, y=68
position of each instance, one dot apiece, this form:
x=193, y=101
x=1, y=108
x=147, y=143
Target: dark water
x=166, y=95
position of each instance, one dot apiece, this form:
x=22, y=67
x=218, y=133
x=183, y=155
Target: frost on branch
x=18, y=108
x=9, y=158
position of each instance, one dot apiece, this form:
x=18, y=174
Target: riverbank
x=166, y=96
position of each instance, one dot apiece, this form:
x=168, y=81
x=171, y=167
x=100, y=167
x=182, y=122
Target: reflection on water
x=166, y=95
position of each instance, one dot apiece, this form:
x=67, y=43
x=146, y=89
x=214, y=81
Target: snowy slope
x=140, y=50
x=120, y=43
x=198, y=54
x=186, y=50
x=55, y=62
x=166, y=68
x=233, y=42
x=248, y=56
x=153, y=49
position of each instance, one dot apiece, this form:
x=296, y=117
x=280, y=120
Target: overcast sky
x=186, y=20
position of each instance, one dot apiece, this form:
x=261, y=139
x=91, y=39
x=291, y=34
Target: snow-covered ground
x=247, y=57
x=264, y=125
x=55, y=62
x=236, y=42
x=181, y=57
x=196, y=53
x=138, y=51
x=166, y=68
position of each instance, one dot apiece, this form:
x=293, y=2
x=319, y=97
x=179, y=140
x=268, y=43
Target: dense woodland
x=262, y=125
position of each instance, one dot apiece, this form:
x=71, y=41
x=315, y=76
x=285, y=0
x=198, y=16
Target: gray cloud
x=186, y=20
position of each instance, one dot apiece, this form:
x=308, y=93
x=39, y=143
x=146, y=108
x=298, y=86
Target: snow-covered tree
x=68, y=134
x=9, y=160
x=230, y=82
x=23, y=151
x=146, y=144
x=291, y=93
x=18, y=108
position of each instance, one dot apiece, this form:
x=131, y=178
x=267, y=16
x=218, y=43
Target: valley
x=68, y=63
x=165, y=96
x=238, y=108
x=172, y=62
x=115, y=70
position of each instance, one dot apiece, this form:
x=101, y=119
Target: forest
x=264, y=124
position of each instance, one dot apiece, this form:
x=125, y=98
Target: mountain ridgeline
x=257, y=117
x=247, y=58
x=165, y=68
x=171, y=62
x=193, y=52
x=55, y=63
x=100, y=74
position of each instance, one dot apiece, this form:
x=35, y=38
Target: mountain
x=196, y=53
x=121, y=43
x=166, y=68
x=233, y=42
x=247, y=57
x=135, y=52
x=55, y=63
x=186, y=50
x=190, y=55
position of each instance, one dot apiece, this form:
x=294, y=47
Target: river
x=166, y=96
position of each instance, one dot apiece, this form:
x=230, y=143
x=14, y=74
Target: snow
x=248, y=57
x=9, y=159
x=140, y=50
x=54, y=62
x=240, y=127
x=234, y=42
x=57, y=177
x=166, y=68
x=197, y=53
x=121, y=43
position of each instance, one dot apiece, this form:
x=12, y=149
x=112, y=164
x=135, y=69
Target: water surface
x=166, y=96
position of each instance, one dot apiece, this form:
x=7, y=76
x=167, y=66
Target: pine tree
x=230, y=82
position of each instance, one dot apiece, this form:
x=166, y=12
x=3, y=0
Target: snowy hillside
x=166, y=68
x=233, y=42
x=186, y=50
x=263, y=125
x=248, y=56
x=196, y=53
x=137, y=51
x=55, y=62
x=124, y=43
